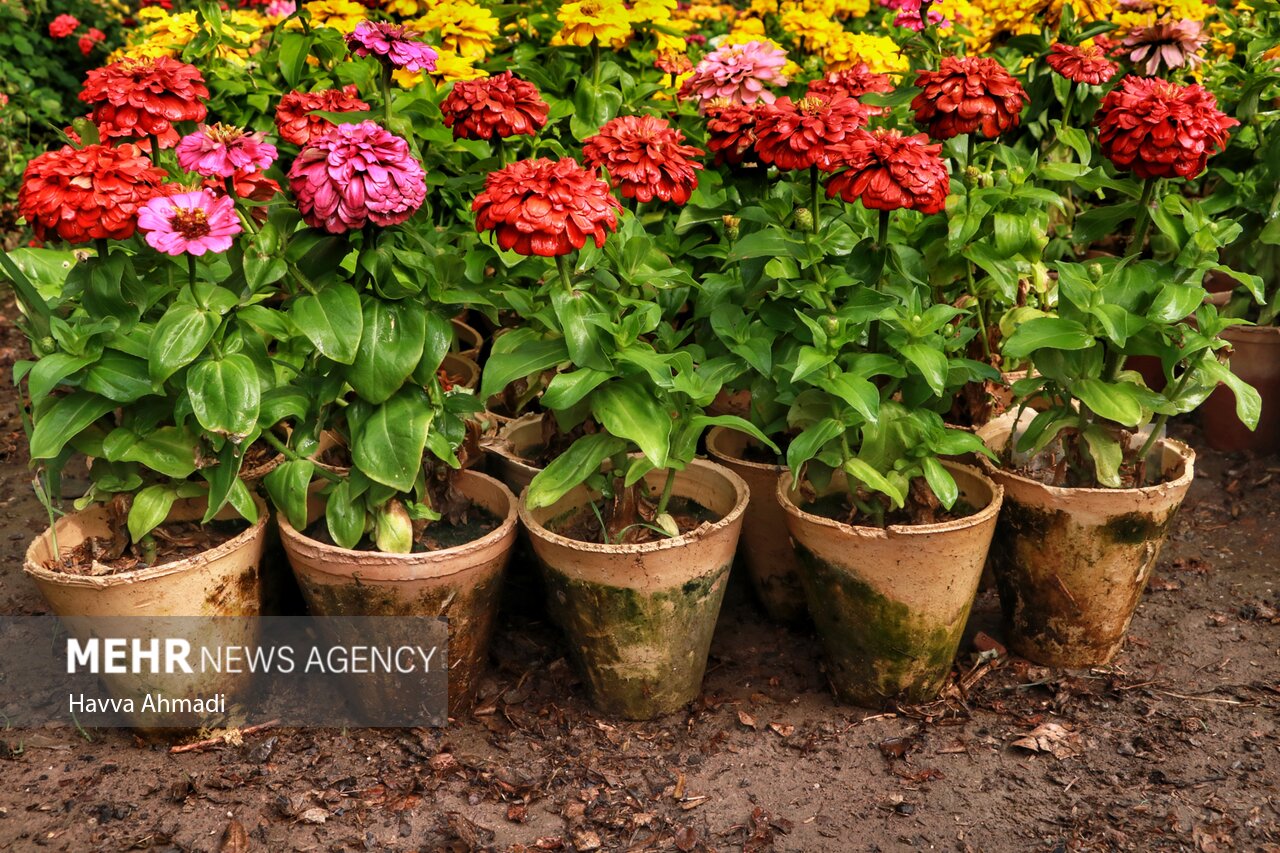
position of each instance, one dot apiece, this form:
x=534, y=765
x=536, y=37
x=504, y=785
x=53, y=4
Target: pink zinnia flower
x=280, y=8
x=739, y=73
x=63, y=26
x=189, y=223
x=220, y=150
x=1165, y=47
x=909, y=16
x=393, y=44
x=357, y=173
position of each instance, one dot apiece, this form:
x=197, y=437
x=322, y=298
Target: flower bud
x=831, y=325
x=1095, y=272
x=972, y=174
x=804, y=219
x=732, y=227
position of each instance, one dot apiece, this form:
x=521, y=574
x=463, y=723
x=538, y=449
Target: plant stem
x=595, y=64
x=104, y=248
x=1160, y=422
x=292, y=456
x=562, y=264
x=386, y=95
x=981, y=310
x=816, y=187
x=969, y=145
x=191, y=271
x=882, y=234
x=155, y=150
x=667, y=488
x=1067, y=105
x=1143, y=226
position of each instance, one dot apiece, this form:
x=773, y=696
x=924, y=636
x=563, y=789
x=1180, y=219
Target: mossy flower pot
x=1071, y=563
x=460, y=583
x=890, y=604
x=638, y=618
x=765, y=548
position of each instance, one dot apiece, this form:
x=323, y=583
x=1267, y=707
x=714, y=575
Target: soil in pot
x=765, y=548
x=437, y=536
x=590, y=525
x=638, y=618
x=1071, y=563
x=175, y=541
x=890, y=603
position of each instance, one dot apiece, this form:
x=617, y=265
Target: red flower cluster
x=63, y=26
x=968, y=94
x=808, y=132
x=90, y=193
x=543, y=207
x=731, y=129
x=889, y=171
x=294, y=122
x=854, y=82
x=1082, y=64
x=1159, y=129
x=646, y=158
x=140, y=98
x=87, y=41
x=494, y=107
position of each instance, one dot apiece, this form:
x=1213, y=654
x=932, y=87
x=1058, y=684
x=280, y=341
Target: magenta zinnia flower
x=393, y=44
x=189, y=223
x=357, y=173
x=220, y=151
x=738, y=73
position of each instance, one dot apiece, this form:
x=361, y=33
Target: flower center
x=811, y=105
x=191, y=222
x=223, y=133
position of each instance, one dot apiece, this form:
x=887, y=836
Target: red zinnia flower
x=1159, y=129
x=731, y=129
x=254, y=186
x=645, y=158
x=63, y=26
x=968, y=94
x=90, y=193
x=854, y=82
x=543, y=207
x=494, y=107
x=1081, y=64
x=889, y=171
x=804, y=133
x=139, y=98
x=293, y=119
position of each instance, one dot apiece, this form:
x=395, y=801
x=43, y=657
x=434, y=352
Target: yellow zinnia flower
x=340, y=15
x=605, y=21
x=880, y=53
x=463, y=27
x=813, y=32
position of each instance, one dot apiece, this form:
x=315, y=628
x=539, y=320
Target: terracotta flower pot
x=467, y=342
x=890, y=604
x=1256, y=360
x=460, y=583
x=1071, y=563
x=223, y=581
x=461, y=369
x=639, y=618
x=765, y=547
x=507, y=453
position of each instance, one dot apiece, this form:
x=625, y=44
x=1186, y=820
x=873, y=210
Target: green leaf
x=388, y=439
x=288, y=487
x=578, y=314
x=1107, y=455
x=168, y=450
x=181, y=335
x=52, y=369
x=1046, y=332
x=390, y=347
x=225, y=395
x=864, y=473
x=571, y=468
x=531, y=356
x=861, y=394
x=149, y=510
x=345, y=517
x=701, y=422
x=809, y=361
x=931, y=363
x=1175, y=302
x=807, y=444
x=1112, y=400
x=1248, y=400
x=66, y=418
x=628, y=410
x=331, y=319
x=940, y=480
x=566, y=390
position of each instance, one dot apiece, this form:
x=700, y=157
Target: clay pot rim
x=701, y=532
x=1185, y=453
x=713, y=439
x=472, y=379
x=459, y=324
x=987, y=513
x=1253, y=330
x=501, y=443
x=437, y=559
x=195, y=561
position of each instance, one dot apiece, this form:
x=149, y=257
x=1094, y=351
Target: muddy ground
x=1176, y=746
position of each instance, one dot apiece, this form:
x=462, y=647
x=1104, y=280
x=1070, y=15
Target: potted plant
x=635, y=537
x=397, y=525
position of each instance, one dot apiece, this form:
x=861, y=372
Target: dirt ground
x=1175, y=746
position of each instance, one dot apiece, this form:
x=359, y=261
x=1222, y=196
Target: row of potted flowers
x=831, y=308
